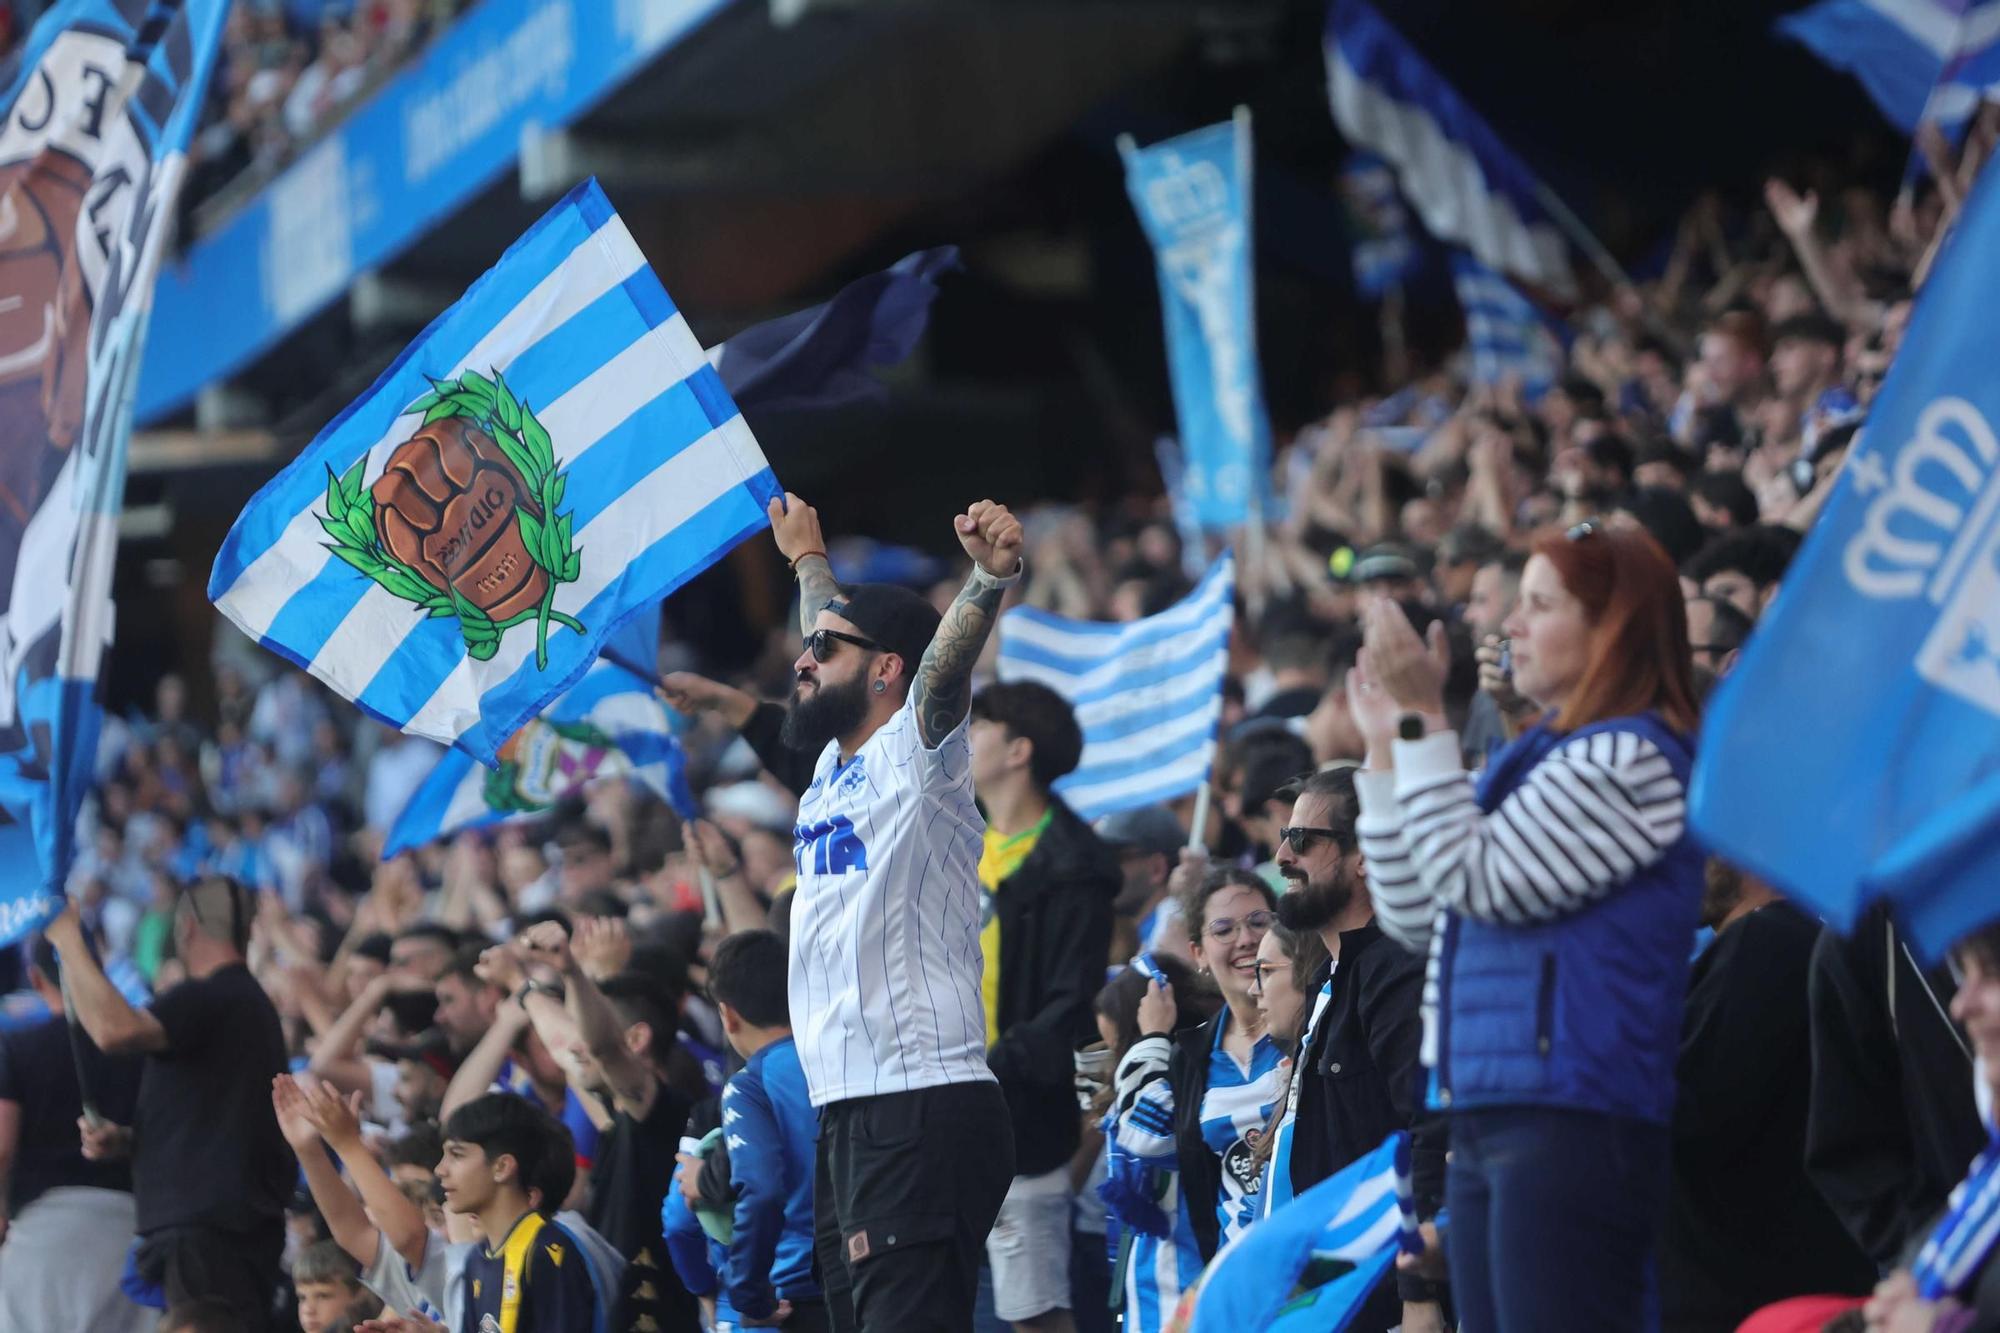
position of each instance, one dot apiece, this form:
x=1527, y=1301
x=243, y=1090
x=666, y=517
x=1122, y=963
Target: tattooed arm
x=795, y=525
x=942, y=690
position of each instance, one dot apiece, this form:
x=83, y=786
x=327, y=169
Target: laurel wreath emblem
x=488, y=403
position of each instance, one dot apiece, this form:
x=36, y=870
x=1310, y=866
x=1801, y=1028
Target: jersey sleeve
x=756, y=1170
x=559, y=1297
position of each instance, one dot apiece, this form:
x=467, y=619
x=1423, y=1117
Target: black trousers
x=237, y=1268
x=907, y=1187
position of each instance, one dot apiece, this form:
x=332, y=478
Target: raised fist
x=445, y=505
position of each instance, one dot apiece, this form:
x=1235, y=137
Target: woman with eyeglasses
x=1558, y=899
x=1210, y=1089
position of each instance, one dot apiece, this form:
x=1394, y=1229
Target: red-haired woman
x=1558, y=900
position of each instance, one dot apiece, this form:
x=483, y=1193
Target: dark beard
x=828, y=713
x=1312, y=905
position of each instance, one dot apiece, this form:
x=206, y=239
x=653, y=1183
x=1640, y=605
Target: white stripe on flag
x=672, y=493
x=1174, y=694
x=1175, y=779
x=1443, y=181
x=585, y=274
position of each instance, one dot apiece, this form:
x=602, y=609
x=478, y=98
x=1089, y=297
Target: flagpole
x=76, y=1038
x=1586, y=240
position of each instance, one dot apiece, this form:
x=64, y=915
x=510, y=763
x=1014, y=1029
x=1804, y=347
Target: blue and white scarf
x=1951, y=1258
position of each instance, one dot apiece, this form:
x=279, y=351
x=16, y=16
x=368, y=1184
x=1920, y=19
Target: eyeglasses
x=1223, y=928
x=1300, y=838
x=1260, y=976
x=1590, y=527
x=821, y=642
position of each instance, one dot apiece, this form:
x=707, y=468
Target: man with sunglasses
x=210, y=1170
x=916, y=1144
x=1358, y=1076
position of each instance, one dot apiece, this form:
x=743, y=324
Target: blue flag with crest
x=99, y=104
x=551, y=456
x=1192, y=195
x=610, y=724
x=1309, y=1267
x=1854, y=754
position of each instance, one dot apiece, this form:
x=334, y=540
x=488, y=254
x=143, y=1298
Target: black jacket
x=1362, y=1079
x=1055, y=934
x=1745, y=1226
x=1892, y=1125
x=1200, y=1168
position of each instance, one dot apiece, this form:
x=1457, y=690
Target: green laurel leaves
x=350, y=521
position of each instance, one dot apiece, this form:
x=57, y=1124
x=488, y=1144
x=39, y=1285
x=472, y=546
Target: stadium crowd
x=543, y=1076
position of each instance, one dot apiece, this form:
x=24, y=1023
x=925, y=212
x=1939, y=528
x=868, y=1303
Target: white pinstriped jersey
x=885, y=960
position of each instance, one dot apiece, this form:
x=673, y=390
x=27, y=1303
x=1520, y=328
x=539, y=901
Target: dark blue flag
x=821, y=356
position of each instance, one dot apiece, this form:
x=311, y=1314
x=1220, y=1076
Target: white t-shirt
x=403, y=1288
x=885, y=958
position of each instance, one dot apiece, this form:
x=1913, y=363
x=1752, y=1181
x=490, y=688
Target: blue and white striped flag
x=1147, y=694
x=610, y=724
x=1918, y=59
x=1309, y=1267
x=96, y=108
x=1468, y=186
x=1506, y=335
x=550, y=456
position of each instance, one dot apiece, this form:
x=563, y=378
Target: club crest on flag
x=465, y=519
x=553, y=454
x=545, y=760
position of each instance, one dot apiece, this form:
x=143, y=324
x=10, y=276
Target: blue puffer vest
x=1584, y=1011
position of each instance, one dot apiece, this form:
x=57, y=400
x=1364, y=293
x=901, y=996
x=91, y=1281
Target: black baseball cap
x=900, y=620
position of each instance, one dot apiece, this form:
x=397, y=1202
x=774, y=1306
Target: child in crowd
x=329, y=1289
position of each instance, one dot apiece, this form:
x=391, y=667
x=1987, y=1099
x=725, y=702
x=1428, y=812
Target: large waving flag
x=1383, y=250
x=1309, y=1267
x=1918, y=59
x=1465, y=184
x=1855, y=752
x=821, y=356
x=1147, y=694
x=552, y=455
x=610, y=724
x=1192, y=194
x=99, y=104
x=1504, y=332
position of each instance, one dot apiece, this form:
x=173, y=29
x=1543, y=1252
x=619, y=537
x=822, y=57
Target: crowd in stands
x=544, y=1073
x=288, y=70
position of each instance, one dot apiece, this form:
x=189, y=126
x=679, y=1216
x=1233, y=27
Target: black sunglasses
x=821, y=641
x=1300, y=838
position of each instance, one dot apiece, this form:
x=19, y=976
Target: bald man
x=210, y=1171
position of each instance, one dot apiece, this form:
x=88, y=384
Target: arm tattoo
x=817, y=587
x=942, y=692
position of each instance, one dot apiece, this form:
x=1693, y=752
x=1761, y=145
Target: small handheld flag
x=1147, y=695
x=552, y=454
x=1312, y=1264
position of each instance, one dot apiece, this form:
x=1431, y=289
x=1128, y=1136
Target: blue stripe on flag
x=731, y=518
x=540, y=252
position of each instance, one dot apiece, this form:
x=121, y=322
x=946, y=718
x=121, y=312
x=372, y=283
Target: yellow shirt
x=1003, y=855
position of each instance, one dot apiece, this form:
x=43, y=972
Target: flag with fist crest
x=96, y=108
x=551, y=457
